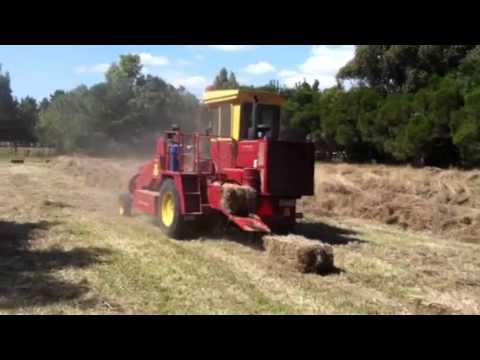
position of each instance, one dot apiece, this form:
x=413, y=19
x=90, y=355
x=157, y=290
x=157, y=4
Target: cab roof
x=241, y=96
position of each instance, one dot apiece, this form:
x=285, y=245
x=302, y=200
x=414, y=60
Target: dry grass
x=63, y=250
x=445, y=203
x=97, y=172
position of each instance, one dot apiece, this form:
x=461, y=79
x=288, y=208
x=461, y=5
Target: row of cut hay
x=102, y=173
x=446, y=202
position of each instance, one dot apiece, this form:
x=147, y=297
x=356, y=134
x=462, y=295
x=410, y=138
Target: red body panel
x=178, y=184
x=233, y=175
x=214, y=192
x=146, y=201
x=247, y=153
x=251, y=177
x=145, y=178
x=223, y=153
x=251, y=224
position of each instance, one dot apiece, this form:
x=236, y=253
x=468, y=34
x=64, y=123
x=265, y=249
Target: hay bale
x=238, y=199
x=303, y=255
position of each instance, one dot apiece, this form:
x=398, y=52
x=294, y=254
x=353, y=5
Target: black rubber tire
x=125, y=204
x=176, y=230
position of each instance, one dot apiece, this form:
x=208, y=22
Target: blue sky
x=39, y=70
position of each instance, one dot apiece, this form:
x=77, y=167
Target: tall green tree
x=127, y=109
x=8, y=125
x=402, y=68
x=225, y=80
x=466, y=129
x=27, y=118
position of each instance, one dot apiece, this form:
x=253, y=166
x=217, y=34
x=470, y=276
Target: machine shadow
x=328, y=234
x=26, y=275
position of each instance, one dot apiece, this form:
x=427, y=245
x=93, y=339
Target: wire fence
x=24, y=150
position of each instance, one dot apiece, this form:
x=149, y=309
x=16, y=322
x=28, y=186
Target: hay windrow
x=96, y=172
x=427, y=199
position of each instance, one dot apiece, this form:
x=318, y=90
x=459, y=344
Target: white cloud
x=199, y=57
x=286, y=73
x=190, y=82
x=94, y=69
x=322, y=64
x=259, y=68
x=230, y=48
x=151, y=60
x=325, y=80
x=147, y=60
x=195, y=84
x=183, y=62
x=80, y=69
x=243, y=80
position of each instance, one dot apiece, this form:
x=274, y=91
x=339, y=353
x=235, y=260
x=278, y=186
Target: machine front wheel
x=169, y=213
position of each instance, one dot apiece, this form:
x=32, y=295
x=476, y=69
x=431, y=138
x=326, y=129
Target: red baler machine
x=239, y=169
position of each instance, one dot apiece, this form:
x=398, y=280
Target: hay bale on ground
x=238, y=199
x=304, y=255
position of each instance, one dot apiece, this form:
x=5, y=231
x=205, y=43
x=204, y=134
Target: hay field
x=445, y=203
x=64, y=250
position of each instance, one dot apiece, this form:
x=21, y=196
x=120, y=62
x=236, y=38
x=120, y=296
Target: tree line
x=417, y=104
x=392, y=103
x=128, y=110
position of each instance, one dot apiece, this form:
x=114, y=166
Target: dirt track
x=63, y=249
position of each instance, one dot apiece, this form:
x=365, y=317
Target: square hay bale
x=303, y=255
x=238, y=199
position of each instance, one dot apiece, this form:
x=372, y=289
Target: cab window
x=268, y=115
x=220, y=120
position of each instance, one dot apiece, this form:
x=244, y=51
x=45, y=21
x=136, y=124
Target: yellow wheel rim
x=168, y=209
